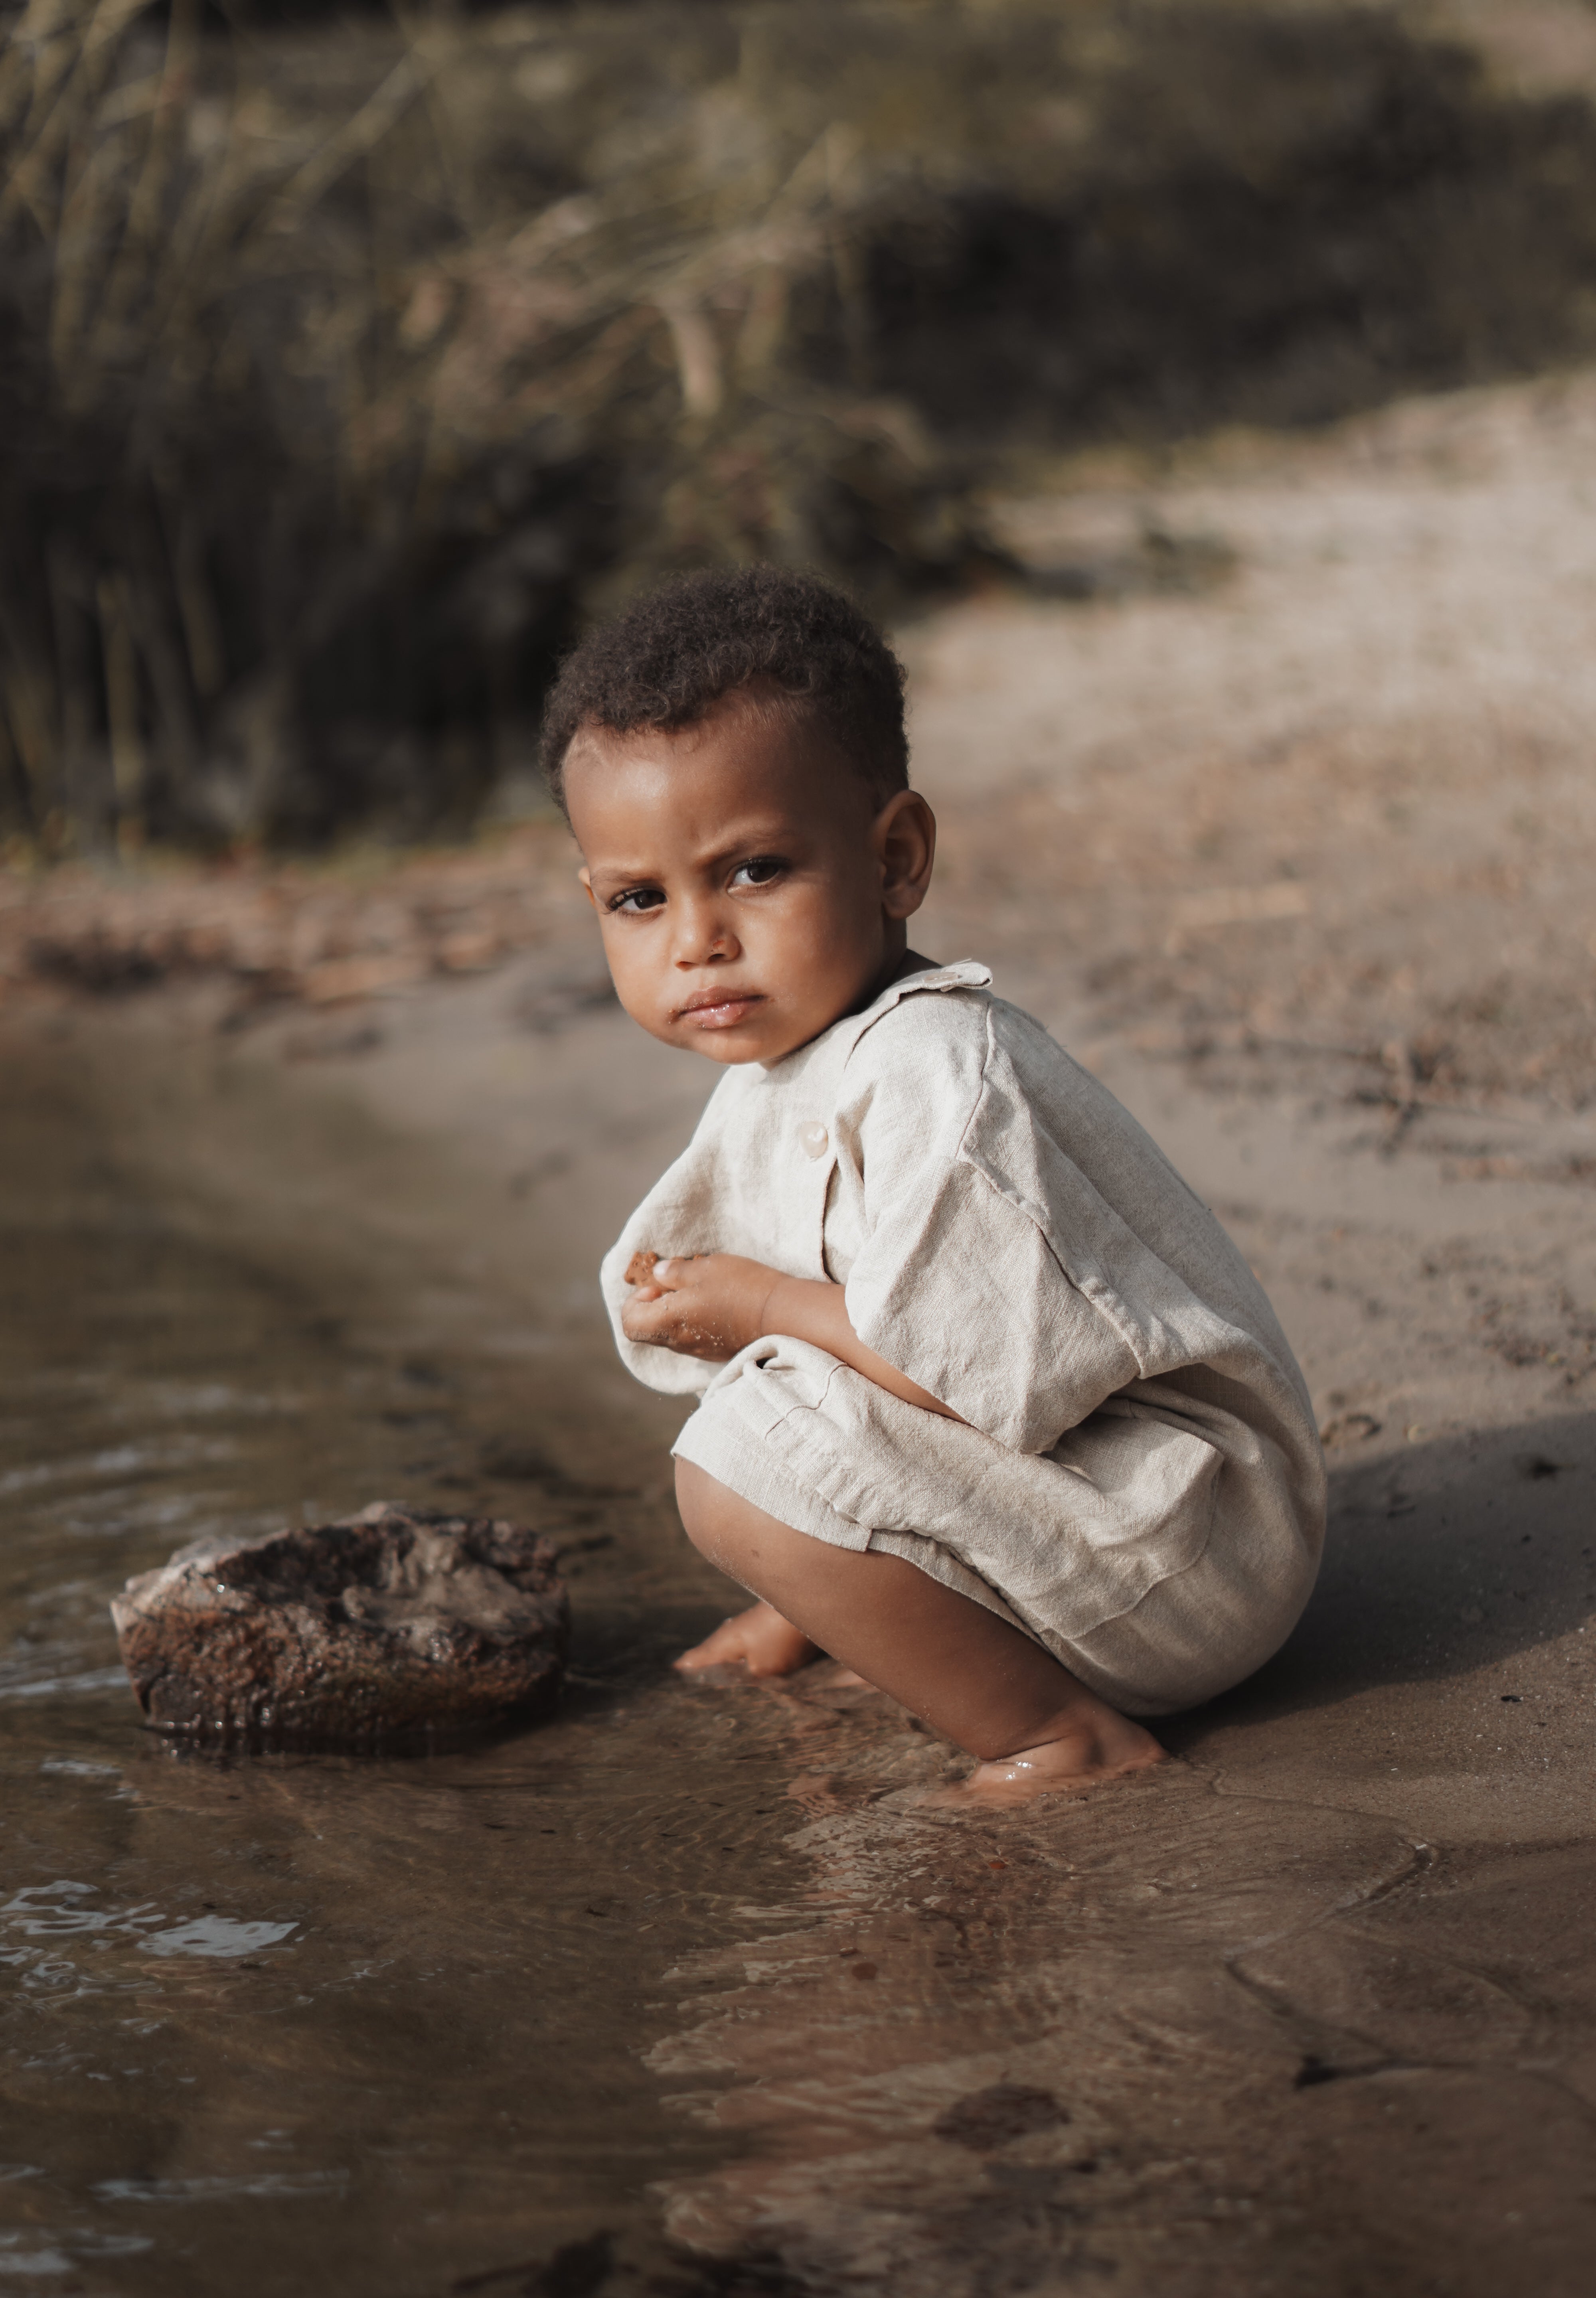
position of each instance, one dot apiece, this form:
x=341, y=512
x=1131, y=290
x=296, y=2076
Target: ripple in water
x=297, y=2023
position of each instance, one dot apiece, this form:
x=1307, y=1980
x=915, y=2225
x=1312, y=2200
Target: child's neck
x=899, y=961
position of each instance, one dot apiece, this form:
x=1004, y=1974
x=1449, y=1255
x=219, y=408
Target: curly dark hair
x=673, y=653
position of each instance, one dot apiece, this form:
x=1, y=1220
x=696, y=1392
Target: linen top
x=1011, y=1239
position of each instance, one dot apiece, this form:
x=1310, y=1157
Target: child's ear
x=904, y=835
x=584, y=880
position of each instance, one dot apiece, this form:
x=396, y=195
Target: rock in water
x=385, y=1627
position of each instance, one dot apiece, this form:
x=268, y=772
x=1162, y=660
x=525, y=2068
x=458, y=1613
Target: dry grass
x=329, y=384
x=348, y=369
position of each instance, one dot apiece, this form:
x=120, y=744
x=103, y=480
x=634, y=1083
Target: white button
x=815, y=1137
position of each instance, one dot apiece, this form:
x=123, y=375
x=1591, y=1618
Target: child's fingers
x=644, y=1320
x=672, y=1275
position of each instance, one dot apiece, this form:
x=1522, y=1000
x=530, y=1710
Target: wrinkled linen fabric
x=1139, y=1485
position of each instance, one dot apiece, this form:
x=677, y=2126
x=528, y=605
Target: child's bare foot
x=760, y=1639
x=1088, y=1757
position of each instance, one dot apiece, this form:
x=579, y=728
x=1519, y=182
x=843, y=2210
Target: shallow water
x=682, y=1995
x=300, y=2023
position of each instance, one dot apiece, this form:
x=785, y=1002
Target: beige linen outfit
x=1140, y=1485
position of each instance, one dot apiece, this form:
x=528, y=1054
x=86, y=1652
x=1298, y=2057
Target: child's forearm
x=809, y=1310
x=713, y=1305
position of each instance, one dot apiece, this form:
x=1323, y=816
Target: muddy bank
x=1291, y=785
x=1326, y=828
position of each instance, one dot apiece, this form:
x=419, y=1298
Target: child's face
x=748, y=890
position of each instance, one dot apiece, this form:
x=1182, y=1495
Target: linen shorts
x=1158, y=1568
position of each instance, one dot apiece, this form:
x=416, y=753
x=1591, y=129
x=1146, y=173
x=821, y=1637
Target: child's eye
x=759, y=872
x=636, y=899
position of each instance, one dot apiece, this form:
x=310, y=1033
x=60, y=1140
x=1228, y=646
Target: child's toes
x=759, y=1639
x=723, y=1649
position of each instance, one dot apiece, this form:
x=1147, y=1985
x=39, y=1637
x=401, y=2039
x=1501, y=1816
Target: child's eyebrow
x=622, y=873
x=758, y=838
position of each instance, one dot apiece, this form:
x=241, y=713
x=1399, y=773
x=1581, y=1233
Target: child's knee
x=694, y=1494
x=713, y=1518
x=739, y=1539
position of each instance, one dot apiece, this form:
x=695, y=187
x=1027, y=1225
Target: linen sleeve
x=685, y=1211
x=965, y=1282
x=958, y=1287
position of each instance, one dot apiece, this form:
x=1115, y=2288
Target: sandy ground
x=1297, y=855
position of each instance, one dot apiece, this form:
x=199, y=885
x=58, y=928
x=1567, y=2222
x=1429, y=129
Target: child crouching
x=991, y=1407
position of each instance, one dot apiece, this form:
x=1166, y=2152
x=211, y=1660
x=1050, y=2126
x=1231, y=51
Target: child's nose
x=703, y=933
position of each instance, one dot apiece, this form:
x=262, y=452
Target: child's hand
x=709, y=1305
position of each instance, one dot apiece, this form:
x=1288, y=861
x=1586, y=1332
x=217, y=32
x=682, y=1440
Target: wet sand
x=1311, y=2009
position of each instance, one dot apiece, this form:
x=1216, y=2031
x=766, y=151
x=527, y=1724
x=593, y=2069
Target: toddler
x=990, y=1409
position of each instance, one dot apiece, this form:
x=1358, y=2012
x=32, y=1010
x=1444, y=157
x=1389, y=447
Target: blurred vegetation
x=348, y=360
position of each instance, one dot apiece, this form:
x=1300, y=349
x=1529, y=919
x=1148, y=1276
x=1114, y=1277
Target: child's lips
x=716, y=1011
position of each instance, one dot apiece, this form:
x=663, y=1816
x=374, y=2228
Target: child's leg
x=972, y=1677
